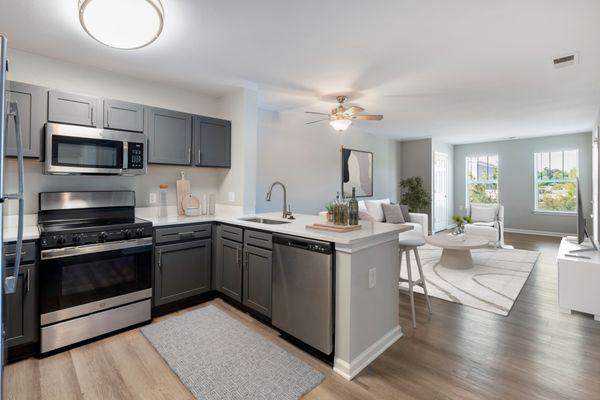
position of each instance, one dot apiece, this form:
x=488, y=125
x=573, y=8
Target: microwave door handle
x=10, y=282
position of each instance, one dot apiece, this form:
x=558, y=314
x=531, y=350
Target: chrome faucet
x=286, y=213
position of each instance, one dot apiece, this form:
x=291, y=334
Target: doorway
x=440, y=192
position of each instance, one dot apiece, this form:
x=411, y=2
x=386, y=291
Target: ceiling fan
x=341, y=118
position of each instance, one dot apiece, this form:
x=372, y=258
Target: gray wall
x=307, y=159
x=416, y=160
x=516, y=178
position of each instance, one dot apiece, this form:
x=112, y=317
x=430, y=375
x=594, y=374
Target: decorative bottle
x=353, y=209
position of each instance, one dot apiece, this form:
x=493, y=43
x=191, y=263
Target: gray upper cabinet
x=22, y=318
x=212, y=142
x=32, y=104
x=69, y=108
x=123, y=115
x=258, y=267
x=169, y=136
x=181, y=270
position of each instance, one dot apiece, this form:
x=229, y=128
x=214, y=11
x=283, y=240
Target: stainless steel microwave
x=71, y=149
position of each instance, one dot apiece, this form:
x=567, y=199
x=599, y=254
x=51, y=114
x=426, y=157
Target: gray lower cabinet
x=258, y=267
x=21, y=316
x=169, y=136
x=123, y=115
x=75, y=109
x=212, y=142
x=32, y=105
x=229, y=268
x=181, y=270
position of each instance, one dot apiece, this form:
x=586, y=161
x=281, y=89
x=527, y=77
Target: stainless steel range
x=95, y=274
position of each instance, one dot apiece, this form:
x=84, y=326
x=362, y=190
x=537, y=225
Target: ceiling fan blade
x=313, y=112
x=354, y=110
x=319, y=120
x=368, y=117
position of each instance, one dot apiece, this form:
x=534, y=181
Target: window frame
x=542, y=211
x=489, y=181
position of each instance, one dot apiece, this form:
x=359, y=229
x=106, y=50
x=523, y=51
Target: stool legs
x=412, y=283
x=423, y=283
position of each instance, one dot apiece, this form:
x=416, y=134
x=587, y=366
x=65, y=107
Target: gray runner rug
x=217, y=357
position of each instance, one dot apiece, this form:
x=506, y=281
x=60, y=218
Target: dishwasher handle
x=303, y=244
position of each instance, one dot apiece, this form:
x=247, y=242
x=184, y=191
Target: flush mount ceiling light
x=122, y=24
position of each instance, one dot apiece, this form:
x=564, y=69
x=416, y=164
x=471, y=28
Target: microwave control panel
x=135, y=155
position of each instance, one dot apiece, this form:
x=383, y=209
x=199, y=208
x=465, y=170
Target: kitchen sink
x=264, y=221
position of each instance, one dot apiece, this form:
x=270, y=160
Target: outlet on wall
x=372, y=278
x=152, y=198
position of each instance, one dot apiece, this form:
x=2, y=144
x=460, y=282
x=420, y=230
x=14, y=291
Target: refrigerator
x=9, y=110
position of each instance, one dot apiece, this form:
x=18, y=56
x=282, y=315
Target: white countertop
x=231, y=215
x=296, y=227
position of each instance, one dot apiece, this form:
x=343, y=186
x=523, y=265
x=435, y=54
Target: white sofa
x=491, y=228
x=419, y=222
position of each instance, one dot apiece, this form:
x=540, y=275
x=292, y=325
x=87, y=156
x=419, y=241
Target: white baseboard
x=540, y=233
x=350, y=370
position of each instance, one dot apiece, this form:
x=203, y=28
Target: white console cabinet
x=578, y=280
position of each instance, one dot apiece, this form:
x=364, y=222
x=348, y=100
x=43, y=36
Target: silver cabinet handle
x=160, y=258
x=239, y=257
x=27, y=281
x=189, y=155
x=185, y=234
x=199, y=156
x=10, y=282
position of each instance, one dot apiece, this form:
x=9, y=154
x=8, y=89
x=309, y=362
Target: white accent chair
x=490, y=227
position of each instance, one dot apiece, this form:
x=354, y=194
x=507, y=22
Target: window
x=555, y=181
x=482, y=179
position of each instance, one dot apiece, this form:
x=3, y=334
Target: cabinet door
x=229, y=269
x=258, y=266
x=32, y=103
x=169, y=136
x=181, y=270
x=212, y=142
x=123, y=115
x=20, y=314
x=69, y=108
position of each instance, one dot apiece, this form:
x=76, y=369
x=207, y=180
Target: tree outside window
x=482, y=179
x=556, y=181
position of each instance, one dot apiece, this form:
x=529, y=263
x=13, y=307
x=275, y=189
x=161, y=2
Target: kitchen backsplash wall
x=203, y=180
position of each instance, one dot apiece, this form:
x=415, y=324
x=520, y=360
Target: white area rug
x=492, y=285
x=217, y=357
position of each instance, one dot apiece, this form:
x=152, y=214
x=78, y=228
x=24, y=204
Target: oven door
x=79, y=280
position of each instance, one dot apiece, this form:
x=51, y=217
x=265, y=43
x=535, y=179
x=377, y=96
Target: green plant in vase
x=414, y=195
x=330, y=208
x=461, y=221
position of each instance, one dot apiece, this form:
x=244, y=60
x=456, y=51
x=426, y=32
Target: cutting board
x=183, y=190
x=325, y=226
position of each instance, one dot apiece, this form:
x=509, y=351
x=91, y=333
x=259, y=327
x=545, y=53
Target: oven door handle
x=94, y=248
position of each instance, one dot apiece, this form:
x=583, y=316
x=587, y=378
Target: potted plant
x=414, y=195
x=329, y=207
x=460, y=221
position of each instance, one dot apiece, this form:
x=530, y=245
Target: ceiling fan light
x=340, y=125
x=122, y=24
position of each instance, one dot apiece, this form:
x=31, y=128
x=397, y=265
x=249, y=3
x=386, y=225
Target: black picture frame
x=347, y=191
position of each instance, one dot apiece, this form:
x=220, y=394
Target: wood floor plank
x=535, y=352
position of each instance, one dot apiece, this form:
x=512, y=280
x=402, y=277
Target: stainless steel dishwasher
x=303, y=290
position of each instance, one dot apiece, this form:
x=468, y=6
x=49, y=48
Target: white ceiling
x=461, y=70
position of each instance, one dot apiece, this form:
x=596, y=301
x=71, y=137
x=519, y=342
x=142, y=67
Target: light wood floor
x=459, y=353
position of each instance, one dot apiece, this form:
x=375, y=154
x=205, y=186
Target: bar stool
x=408, y=243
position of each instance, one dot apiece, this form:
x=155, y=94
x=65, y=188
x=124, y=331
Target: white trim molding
x=540, y=233
x=350, y=370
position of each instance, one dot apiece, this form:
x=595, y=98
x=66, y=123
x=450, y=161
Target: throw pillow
x=374, y=208
x=365, y=216
x=405, y=213
x=393, y=213
x=483, y=213
x=362, y=206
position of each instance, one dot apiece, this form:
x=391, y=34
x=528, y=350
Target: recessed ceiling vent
x=566, y=60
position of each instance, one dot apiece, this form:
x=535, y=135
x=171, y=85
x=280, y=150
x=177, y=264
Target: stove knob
x=60, y=240
x=127, y=234
x=102, y=236
x=76, y=239
x=139, y=232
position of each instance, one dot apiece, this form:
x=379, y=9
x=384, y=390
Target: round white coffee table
x=456, y=254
